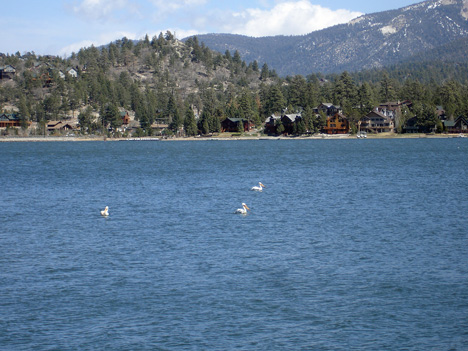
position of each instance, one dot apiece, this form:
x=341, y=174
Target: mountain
x=370, y=41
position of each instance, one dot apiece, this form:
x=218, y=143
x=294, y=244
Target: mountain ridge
x=369, y=41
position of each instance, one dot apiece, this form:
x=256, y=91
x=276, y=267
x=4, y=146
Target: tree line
x=193, y=88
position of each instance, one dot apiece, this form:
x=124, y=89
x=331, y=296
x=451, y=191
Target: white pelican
x=105, y=212
x=243, y=210
x=259, y=187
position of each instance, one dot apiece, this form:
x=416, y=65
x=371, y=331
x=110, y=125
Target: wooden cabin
x=231, y=125
x=337, y=124
x=271, y=124
x=125, y=117
x=460, y=125
x=8, y=120
x=289, y=121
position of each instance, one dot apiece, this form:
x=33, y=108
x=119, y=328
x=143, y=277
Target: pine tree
x=190, y=125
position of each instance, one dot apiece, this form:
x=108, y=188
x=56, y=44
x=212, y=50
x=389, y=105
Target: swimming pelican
x=243, y=210
x=259, y=187
x=105, y=212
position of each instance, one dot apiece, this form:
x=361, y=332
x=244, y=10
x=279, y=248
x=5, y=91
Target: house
x=411, y=126
x=271, y=123
x=231, y=125
x=328, y=109
x=337, y=124
x=125, y=117
x=55, y=126
x=460, y=125
x=289, y=122
x=72, y=72
x=376, y=122
x=7, y=72
x=9, y=120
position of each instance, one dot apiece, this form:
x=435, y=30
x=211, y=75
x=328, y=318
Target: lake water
x=352, y=245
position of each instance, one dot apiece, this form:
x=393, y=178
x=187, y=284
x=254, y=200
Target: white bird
x=259, y=187
x=105, y=212
x=243, y=210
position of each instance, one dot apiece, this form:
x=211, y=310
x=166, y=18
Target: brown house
x=54, y=126
x=337, y=124
x=125, y=117
x=10, y=120
x=271, y=123
x=231, y=125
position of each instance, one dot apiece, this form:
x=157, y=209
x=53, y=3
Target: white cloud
x=98, y=9
x=170, y=6
x=287, y=18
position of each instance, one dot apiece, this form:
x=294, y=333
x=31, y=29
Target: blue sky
x=60, y=27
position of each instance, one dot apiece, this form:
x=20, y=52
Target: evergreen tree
x=265, y=73
x=275, y=101
x=387, y=90
x=190, y=125
x=365, y=100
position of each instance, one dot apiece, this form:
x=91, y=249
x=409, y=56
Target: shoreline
x=227, y=138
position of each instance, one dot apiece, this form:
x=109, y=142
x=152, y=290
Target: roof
x=236, y=120
x=376, y=113
x=292, y=117
x=449, y=123
x=8, y=68
x=9, y=117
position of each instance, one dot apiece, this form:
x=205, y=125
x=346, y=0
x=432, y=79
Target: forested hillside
x=193, y=89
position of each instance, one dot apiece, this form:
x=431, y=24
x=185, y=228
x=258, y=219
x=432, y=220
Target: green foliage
x=157, y=79
x=190, y=125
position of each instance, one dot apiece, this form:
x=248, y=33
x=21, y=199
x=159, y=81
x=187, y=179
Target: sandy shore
x=229, y=137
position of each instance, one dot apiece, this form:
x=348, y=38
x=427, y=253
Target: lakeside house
x=59, y=126
x=376, y=122
x=337, y=124
x=9, y=120
x=271, y=123
x=231, y=125
x=460, y=125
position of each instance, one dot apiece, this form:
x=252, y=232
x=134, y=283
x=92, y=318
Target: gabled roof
x=292, y=117
x=376, y=113
x=8, y=68
x=9, y=117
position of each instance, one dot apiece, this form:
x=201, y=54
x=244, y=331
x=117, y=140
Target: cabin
x=58, y=126
x=460, y=125
x=336, y=124
x=289, y=122
x=8, y=120
x=271, y=124
x=7, y=72
x=231, y=125
x=125, y=117
x=376, y=122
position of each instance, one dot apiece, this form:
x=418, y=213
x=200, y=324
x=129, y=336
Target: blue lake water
x=352, y=245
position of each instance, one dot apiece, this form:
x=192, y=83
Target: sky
x=61, y=27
